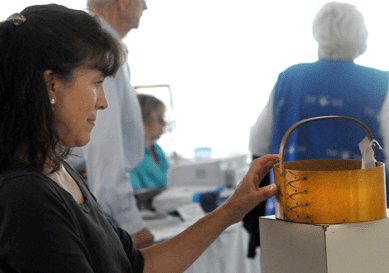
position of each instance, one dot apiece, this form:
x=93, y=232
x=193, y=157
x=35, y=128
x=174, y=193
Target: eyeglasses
x=159, y=120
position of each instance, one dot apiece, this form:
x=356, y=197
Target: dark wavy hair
x=55, y=38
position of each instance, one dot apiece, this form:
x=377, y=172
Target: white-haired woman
x=333, y=85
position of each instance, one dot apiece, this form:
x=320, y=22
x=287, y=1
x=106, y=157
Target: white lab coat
x=116, y=148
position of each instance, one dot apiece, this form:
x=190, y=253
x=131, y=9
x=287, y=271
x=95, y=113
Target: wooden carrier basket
x=328, y=191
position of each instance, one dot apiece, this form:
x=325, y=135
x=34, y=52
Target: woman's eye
x=99, y=83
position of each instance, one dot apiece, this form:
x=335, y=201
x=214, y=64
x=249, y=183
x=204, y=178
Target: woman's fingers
x=265, y=193
x=260, y=167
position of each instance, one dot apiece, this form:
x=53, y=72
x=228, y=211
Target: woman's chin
x=79, y=142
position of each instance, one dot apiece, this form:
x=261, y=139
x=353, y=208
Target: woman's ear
x=50, y=81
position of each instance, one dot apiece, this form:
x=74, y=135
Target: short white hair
x=101, y=3
x=339, y=29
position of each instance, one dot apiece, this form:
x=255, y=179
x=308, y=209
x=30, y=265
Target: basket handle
x=294, y=126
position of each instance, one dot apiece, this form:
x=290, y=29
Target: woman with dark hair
x=50, y=47
x=152, y=171
x=53, y=62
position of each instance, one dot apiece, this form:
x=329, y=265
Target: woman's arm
x=178, y=253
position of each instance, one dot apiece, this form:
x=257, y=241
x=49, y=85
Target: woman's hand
x=143, y=239
x=178, y=253
x=248, y=194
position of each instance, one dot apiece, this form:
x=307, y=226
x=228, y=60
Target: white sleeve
x=107, y=160
x=76, y=159
x=261, y=132
x=384, y=128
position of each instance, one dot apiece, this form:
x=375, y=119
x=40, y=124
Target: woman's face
x=156, y=124
x=76, y=105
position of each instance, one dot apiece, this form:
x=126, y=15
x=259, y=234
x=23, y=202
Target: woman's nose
x=101, y=102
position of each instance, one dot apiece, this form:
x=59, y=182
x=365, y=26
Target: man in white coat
x=117, y=141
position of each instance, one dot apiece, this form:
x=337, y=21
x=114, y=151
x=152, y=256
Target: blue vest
x=327, y=88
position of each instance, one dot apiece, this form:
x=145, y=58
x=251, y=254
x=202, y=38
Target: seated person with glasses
x=152, y=171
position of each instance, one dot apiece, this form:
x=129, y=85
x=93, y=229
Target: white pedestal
x=305, y=248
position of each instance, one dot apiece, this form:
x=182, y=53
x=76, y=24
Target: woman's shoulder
x=18, y=170
x=372, y=70
x=159, y=149
x=19, y=181
x=299, y=68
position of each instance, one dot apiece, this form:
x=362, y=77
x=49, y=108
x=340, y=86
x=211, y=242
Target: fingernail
x=272, y=187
